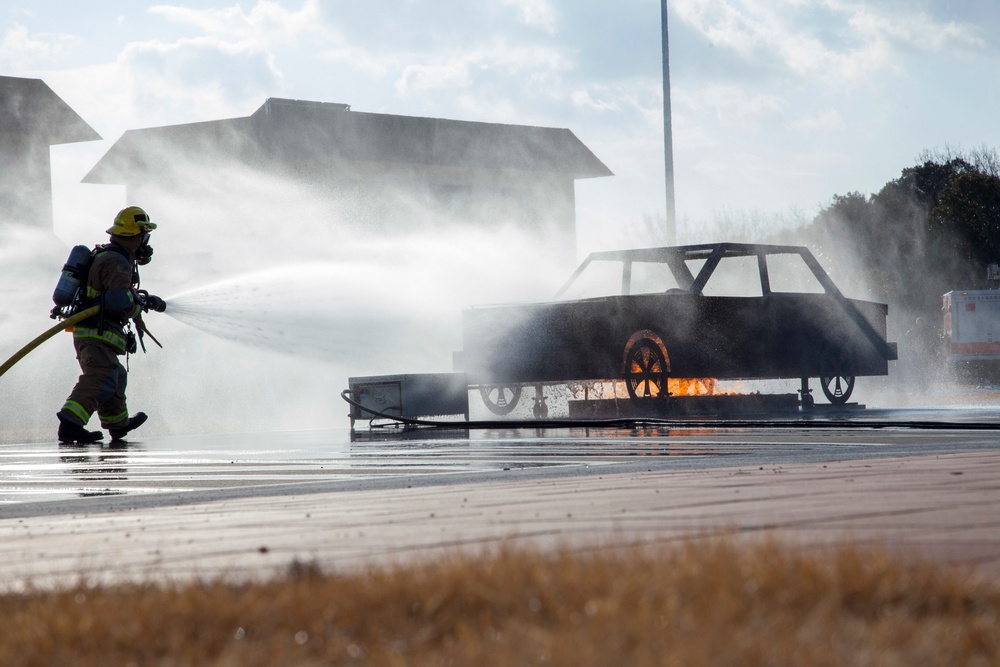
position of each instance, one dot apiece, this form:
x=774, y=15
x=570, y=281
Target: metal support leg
x=540, y=410
x=805, y=392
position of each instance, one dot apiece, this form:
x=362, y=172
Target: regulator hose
x=65, y=324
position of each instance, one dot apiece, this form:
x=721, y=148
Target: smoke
x=904, y=247
x=275, y=299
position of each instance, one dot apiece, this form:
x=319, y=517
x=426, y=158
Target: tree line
x=934, y=229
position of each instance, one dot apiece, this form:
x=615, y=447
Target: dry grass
x=701, y=603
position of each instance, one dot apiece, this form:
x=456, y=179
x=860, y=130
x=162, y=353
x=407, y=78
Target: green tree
x=921, y=235
x=967, y=221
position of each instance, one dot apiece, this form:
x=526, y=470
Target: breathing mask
x=144, y=253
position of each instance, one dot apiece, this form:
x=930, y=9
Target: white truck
x=971, y=325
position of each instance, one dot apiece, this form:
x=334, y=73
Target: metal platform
x=686, y=406
x=433, y=398
x=410, y=395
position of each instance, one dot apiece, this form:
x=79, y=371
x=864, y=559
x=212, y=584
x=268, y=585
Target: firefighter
x=112, y=282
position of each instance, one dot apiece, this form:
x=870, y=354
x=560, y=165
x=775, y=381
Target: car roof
x=699, y=251
x=712, y=253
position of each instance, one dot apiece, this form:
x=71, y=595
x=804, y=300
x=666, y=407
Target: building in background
x=32, y=118
x=307, y=164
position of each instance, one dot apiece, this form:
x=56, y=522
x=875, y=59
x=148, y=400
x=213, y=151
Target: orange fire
x=696, y=387
x=676, y=386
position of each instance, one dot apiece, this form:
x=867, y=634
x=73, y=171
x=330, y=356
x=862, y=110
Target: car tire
x=836, y=380
x=500, y=399
x=646, y=370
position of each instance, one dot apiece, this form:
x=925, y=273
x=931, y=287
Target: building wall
x=25, y=180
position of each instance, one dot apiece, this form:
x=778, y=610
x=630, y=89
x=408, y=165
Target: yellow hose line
x=68, y=322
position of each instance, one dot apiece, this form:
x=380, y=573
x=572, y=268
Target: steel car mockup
x=722, y=311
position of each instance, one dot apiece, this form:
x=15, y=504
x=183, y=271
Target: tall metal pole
x=668, y=141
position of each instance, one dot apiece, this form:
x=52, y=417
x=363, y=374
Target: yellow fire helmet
x=131, y=221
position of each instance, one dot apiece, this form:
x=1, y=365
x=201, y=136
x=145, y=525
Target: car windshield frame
x=677, y=257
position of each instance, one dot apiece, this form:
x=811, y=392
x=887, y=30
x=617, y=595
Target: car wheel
x=646, y=370
x=837, y=388
x=500, y=399
x=837, y=382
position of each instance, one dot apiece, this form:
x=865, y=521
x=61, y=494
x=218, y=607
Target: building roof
x=29, y=107
x=292, y=132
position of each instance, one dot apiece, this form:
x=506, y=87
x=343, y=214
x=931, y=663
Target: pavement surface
x=924, y=483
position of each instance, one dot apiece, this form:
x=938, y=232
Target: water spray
x=348, y=312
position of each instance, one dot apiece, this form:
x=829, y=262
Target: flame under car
x=642, y=316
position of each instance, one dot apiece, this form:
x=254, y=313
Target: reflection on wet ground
x=156, y=465
x=40, y=471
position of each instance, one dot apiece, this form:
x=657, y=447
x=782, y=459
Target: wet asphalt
x=47, y=478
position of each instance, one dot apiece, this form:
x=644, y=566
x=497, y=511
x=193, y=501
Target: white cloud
x=21, y=50
x=225, y=66
x=530, y=65
x=826, y=121
x=724, y=24
x=417, y=79
x=196, y=78
x=731, y=105
x=606, y=102
x=838, y=42
x=914, y=30
x=632, y=109
x=535, y=13
x=267, y=22
x=359, y=58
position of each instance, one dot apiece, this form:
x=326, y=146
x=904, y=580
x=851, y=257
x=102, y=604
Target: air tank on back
x=72, y=276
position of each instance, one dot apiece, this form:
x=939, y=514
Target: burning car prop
x=654, y=320
x=643, y=316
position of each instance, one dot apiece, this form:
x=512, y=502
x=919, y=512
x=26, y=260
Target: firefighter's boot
x=70, y=431
x=134, y=422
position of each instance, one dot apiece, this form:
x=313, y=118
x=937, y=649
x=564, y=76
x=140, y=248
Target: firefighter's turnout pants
x=101, y=387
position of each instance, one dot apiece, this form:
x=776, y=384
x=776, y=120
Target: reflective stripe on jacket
x=110, y=335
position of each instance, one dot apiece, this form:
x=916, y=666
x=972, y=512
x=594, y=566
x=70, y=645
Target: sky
x=778, y=105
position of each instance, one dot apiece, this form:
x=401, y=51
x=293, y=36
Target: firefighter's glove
x=154, y=302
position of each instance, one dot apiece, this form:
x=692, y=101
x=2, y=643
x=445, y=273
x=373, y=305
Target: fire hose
x=62, y=326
